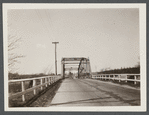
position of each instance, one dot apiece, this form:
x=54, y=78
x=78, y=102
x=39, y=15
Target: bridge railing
x=44, y=81
x=120, y=77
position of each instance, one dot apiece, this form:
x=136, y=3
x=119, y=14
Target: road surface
x=90, y=92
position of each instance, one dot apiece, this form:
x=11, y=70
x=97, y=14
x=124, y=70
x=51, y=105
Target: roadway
x=90, y=92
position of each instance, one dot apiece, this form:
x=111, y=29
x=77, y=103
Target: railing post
x=135, y=79
x=23, y=96
x=109, y=77
x=46, y=81
x=119, y=78
x=52, y=79
x=113, y=77
x=49, y=80
x=41, y=83
x=34, y=83
x=126, y=79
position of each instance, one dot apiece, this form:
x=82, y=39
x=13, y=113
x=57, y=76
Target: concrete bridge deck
x=89, y=92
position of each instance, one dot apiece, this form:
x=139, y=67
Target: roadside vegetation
x=12, y=76
x=130, y=70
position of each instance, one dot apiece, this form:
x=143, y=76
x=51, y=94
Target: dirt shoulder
x=45, y=99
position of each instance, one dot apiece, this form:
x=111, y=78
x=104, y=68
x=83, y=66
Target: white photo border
x=142, y=26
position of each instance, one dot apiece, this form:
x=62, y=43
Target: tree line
x=129, y=70
x=18, y=76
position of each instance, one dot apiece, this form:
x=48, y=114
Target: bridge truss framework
x=82, y=66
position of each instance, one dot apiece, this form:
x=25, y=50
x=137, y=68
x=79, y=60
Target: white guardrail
x=120, y=77
x=48, y=80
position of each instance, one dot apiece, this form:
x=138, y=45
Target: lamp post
x=55, y=57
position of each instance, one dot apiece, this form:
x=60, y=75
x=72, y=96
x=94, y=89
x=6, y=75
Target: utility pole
x=55, y=57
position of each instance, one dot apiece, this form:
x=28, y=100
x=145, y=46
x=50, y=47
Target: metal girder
x=81, y=62
x=71, y=69
x=83, y=67
x=71, y=63
x=72, y=59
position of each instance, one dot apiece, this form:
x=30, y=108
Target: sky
x=108, y=37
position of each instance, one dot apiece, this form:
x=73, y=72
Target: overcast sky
x=109, y=37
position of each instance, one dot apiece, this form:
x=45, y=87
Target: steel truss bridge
x=80, y=64
x=93, y=91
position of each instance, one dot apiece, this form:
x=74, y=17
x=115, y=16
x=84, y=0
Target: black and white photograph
x=74, y=57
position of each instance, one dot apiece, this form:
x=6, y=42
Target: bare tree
x=101, y=70
x=48, y=70
x=13, y=58
x=138, y=63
